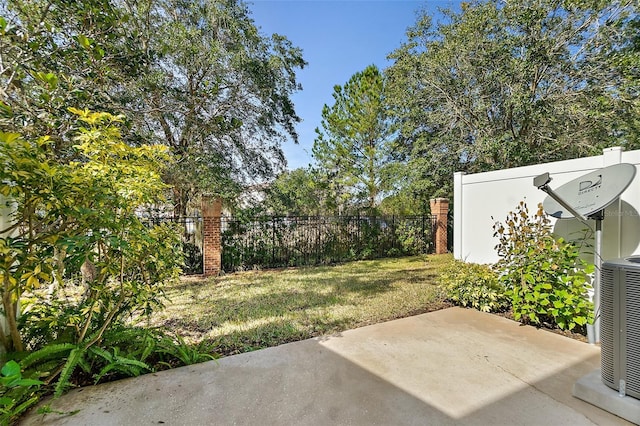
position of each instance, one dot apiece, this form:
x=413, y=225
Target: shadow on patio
x=453, y=366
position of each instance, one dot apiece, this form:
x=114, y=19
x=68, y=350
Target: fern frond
x=46, y=353
x=149, y=348
x=49, y=366
x=128, y=366
x=84, y=365
x=26, y=404
x=133, y=363
x=106, y=369
x=74, y=358
x=104, y=354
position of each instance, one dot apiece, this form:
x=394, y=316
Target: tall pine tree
x=354, y=145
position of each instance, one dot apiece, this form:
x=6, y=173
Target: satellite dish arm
x=542, y=182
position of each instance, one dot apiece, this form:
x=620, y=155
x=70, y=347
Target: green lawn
x=252, y=310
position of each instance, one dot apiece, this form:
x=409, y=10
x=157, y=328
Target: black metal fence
x=277, y=241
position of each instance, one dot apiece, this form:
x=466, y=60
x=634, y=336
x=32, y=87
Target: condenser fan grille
x=633, y=332
x=606, y=324
x=620, y=324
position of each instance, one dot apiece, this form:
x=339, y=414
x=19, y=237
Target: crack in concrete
x=533, y=385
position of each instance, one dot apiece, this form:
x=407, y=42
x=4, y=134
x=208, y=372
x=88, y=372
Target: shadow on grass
x=274, y=333
x=360, y=266
x=254, y=310
x=329, y=290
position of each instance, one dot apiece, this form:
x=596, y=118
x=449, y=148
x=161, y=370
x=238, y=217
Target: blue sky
x=338, y=39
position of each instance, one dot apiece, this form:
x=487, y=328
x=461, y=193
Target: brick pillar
x=211, y=242
x=440, y=209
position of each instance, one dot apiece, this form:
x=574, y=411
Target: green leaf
x=84, y=41
x=6, y=401
x=98, y=53
x=5, y=109
x=580, y=320
x=10, y=368
x=27, y=382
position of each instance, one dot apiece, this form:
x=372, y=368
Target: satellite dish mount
x=586, y=198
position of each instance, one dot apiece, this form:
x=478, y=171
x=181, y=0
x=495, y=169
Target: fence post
x=440, y=209
x=273, y=239
x=212, y=242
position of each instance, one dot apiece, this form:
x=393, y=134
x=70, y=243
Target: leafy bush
x=17, y=393
x=545, y=278
x=79, y=219
x=411, y=238
x=192, y=258
x=473, y=285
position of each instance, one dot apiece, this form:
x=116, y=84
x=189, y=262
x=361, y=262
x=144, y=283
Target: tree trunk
x=10, y=325
x=180, y=200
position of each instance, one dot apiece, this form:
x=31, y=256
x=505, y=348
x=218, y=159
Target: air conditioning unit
x=620, y=325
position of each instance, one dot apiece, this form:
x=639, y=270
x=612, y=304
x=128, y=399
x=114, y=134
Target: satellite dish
x=584, y=198
x=592, y=192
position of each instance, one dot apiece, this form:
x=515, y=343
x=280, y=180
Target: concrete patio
x=455, y=366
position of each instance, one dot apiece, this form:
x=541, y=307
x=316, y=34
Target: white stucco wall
x=482, y=199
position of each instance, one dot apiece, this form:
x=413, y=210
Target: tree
x=59, y=54
x=299, y=192
x=613, y=68
x=196, y=76
x=216, y=92
x=355, y=143
x=505, y=84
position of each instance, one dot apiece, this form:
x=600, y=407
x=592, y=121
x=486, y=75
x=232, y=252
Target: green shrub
x=75, y=219
x=411, y=238
x=17, y=394
x=473, y=285
x=545, y=278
